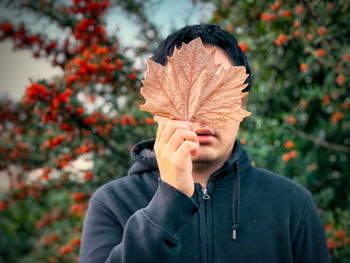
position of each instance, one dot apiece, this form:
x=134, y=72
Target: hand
x=174, y=145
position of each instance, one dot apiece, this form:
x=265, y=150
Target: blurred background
x=71, y=73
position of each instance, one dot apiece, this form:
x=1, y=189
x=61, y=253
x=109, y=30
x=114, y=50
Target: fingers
x=187, y=147
x=161, y=127
x=166, y=129
x=174, y=143
x=171, y=135
x=179, y=137
x=159, y=119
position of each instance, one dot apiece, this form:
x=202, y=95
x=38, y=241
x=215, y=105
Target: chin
x=203, y=157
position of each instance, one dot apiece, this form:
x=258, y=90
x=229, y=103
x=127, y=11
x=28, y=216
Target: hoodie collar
x=240, y=157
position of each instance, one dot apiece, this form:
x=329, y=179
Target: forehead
x=220, y=55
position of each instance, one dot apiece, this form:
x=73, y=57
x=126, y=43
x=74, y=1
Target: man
x=193, y=195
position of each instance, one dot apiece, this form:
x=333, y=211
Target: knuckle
x=187, y=145
x=163, y=156
x=156, y=145
x=155, y=149
x=178, y=132
x=173, y=161
x=192, y=144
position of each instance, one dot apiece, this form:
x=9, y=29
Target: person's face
x=218, y=145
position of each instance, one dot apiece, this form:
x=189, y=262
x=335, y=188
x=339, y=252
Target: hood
x=144, y=156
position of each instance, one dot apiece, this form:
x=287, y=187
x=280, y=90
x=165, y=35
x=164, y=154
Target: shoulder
x=273, y=180
x=272, y=186
x=127, y=188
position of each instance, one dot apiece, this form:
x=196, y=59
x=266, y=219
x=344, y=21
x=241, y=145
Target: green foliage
x=59, y=121
x=299, y=96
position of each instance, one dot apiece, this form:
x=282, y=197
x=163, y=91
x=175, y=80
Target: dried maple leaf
x=192, y=87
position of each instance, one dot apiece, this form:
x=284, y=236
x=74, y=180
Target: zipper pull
x=205, y=196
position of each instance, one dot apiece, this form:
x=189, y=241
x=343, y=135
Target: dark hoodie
x=246, y=215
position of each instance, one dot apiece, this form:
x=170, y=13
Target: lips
x=205, y=136
x=204, y=131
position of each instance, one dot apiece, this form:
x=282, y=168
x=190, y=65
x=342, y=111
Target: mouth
x=204, y=131
x=204, y=135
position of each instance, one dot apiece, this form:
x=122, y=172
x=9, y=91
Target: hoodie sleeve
x=151, y=234
x=310, y=244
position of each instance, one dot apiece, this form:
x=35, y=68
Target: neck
x=202, y=170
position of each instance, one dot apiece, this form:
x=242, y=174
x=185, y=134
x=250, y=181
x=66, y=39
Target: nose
x=196, y=125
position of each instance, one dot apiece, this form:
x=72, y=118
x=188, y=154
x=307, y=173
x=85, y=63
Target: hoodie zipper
x=205, y=224
x=206, y=219
x=205, y=195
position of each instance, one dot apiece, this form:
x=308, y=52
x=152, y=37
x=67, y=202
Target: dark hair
x=209, y=34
